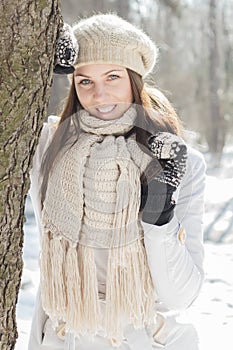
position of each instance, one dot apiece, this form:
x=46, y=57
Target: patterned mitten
x=66, y=51
x=157, y=205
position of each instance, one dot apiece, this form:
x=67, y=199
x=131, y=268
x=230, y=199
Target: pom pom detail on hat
x=109, y=39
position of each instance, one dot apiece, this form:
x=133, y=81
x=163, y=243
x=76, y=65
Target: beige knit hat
x=109, y=39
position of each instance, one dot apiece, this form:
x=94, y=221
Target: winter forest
x=194, y=70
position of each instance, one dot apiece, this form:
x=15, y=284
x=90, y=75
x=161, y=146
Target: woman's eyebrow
x=82, y=75
x=106, y=73
x=113, y=70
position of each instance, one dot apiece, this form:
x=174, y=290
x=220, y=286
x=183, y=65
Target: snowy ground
x=212, y=312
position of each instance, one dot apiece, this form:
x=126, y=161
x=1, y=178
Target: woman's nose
x=100, y=92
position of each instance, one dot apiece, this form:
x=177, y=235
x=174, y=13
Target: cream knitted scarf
x=92, y=202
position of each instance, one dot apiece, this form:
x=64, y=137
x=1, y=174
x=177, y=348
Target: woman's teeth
x=105, y=109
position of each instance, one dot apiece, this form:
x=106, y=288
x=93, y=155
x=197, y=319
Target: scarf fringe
x=69, y=285
x=70, y=288
x=53, y=277
x=74, y=299
x=90, y=300
x=130, y=295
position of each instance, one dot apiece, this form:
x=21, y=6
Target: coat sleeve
x=47, y=133
x=177, y=266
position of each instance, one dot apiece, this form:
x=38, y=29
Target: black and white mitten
x=66, y=51
x=157, y=205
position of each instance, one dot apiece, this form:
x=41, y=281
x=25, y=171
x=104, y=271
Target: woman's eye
x=113, y=77
x=85, y=82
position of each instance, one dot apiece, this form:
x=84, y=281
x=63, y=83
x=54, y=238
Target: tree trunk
x=173, y=5
x=216, y=133
x=28, y=31
x=123, y=8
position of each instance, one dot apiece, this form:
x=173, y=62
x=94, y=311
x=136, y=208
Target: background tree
x=216, y=134
x=28, y=31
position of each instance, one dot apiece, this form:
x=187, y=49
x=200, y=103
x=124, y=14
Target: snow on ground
x=212, y=312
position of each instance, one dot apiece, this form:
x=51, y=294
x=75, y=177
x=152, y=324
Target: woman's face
x=104, y=90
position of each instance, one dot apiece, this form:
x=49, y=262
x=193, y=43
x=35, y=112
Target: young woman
x=118, y=198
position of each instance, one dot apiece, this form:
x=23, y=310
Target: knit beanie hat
x=109, y=39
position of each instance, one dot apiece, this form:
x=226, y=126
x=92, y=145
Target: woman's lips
x=105, y=109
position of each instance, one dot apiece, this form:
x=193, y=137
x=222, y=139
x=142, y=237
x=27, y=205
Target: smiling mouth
x=106, y=109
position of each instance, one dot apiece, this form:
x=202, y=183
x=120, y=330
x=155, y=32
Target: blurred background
x=194, y=70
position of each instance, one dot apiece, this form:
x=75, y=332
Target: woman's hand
x=157, y=205
x=66, y=51
x=172, y=150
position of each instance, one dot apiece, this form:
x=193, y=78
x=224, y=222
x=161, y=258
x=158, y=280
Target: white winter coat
x=176, y=267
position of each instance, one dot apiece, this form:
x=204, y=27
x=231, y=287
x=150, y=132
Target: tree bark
x=28, y=32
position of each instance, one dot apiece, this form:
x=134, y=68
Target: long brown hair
x=154, y=113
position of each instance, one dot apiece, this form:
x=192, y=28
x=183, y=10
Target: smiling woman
x=104, y=90
x=118, y=198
